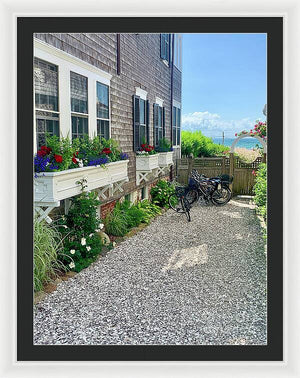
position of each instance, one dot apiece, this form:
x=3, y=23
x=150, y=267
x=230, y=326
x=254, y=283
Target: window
x=140, y=122
x=158, y=123
x=178, y=51
x=46, y=100
x=176, y=126
x=102, y=110
x=165, y=43
x=79, y=105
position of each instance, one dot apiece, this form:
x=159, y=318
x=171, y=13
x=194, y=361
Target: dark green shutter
x=155, y=124
x=147, y=121
x=164, y=121
x=136, y=123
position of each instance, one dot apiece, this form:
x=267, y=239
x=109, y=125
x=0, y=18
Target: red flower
x=58, y=158
x=74, y=160
x=77, y=153
x=147, y=149
x=106, y=151
x=143, y=145
x=235, y=134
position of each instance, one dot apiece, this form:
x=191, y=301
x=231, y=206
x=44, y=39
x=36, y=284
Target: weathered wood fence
x=243, y=180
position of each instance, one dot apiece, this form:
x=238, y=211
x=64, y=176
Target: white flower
x=101, y=226
x=72, y=265
x=114, y=244
x=83, y=241
x=88, y=248
x=65, y=226
x=72, y=251
x=80, y=163
x=91, y=235
x=97, y=230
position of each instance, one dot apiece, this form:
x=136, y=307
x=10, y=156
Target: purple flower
x=98, y=161
x=124, y=156
x=41, y=163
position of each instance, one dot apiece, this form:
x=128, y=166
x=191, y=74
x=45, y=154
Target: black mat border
x=26, y=26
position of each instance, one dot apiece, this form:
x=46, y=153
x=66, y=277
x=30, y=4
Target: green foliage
x=126, y=216
x=161, y=192
x=62, y=147
x=164, y=145
x=149, y=210
x=260, y=190
x=199, y=145
x=47, y=246
x=79, y=228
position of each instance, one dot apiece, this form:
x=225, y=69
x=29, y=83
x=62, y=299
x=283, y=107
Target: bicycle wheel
x=186, y=206
x=221, y=196
x=192, y=196
x=175, y=203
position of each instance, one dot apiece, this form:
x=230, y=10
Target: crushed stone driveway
x=175, y=282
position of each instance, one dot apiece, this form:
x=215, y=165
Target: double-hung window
x=165, y=47
x=102, y=110
x=46, y=100
x=176, y=126
x=140, y=122
x=79, y=105
x=158, y=123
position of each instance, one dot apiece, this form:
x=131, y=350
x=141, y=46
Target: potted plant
x=63, y=168
x=165, y=152
x=146, y=158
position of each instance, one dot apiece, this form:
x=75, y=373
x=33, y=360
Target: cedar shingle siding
x=141, y=66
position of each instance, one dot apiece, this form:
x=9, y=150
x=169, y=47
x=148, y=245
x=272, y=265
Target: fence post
x=223, y=165
x=190, y=167
x=231, y=168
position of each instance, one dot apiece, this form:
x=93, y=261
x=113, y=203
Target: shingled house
x=121, y=86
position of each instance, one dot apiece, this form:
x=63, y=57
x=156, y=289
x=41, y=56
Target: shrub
x=164, y=145
x=260, y=190
x=161, y=192
x=47, y=246
x=79, y=228
x=199, y=145
x=126, y=216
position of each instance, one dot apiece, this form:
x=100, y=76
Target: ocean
x=248, y=143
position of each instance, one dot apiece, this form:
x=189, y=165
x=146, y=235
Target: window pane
x=178, y=117
x=79, y=93
x=174, y=136
x=103, y=128
x=102, y=101
x=45, y=85
x=142, y=112
x=142, y=134
x=160, y=116
x=174, y=116
x=178, y=136
x=79, y=126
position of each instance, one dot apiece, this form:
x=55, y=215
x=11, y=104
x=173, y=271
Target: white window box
x=165, y=158
x=51, y=187
x=146, y=162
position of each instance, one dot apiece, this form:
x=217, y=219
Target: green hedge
x=199, y=145
x=260, y=190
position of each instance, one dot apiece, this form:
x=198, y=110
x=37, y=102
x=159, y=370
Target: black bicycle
x=179, y=201
x=215, y=189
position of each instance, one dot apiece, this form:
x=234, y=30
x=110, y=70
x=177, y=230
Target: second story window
x=102, y=110
x=158, y=123
x=165, y=47
x=176, y=126
x=79, y=105
x=46, y=100
x=140, y=122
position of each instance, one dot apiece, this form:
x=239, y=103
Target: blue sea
x=248, y=143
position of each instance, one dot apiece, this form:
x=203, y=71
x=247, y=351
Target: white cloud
x=212, y=124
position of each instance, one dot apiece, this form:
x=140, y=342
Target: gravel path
x=202, y=282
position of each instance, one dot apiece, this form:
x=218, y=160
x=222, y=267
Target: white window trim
x=67, y=63
x=159, y=101
x=177, y=104
x=141, y=93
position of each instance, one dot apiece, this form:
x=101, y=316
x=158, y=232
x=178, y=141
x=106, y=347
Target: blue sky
x=224, y=82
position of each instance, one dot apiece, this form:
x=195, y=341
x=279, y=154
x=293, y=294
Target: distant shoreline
x=248, y=143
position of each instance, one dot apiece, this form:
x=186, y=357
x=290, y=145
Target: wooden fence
x=243, y=180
